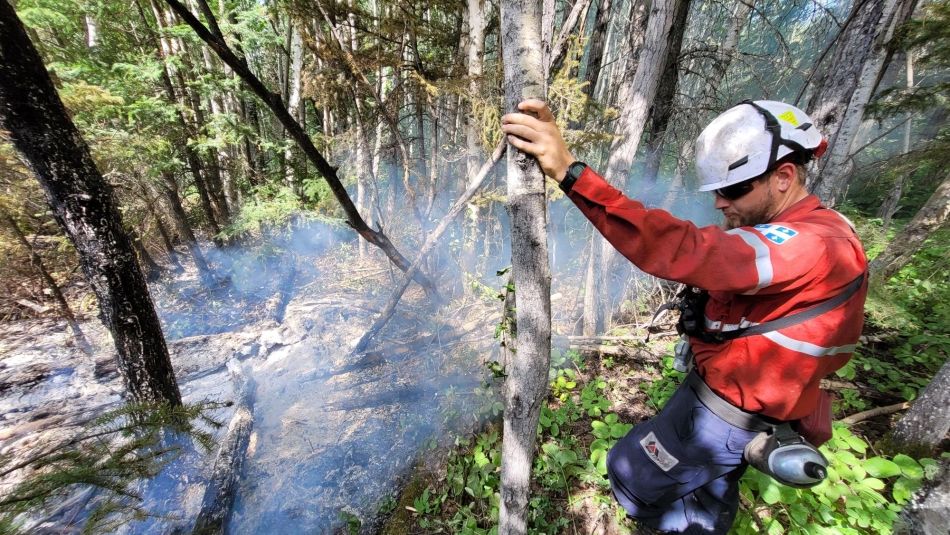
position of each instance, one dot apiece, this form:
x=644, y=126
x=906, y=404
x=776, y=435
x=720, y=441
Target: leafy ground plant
x=105, y=463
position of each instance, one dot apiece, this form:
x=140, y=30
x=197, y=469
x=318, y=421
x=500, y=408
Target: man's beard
x=761, y=214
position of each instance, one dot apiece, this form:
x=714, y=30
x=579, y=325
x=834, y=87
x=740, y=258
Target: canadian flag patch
x=657, y=453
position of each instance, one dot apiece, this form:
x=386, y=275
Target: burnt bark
x=83, y=205
x=662, y=110
x=526, y=383
x=170, y=189
x=153, y=271
x=598, y=38
x=222, y=485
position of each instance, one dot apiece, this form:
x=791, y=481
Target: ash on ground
x=333, y=432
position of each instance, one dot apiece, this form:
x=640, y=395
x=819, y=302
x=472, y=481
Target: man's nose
x=721, y=202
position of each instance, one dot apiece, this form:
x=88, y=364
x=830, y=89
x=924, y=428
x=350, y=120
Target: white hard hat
x=746, y=140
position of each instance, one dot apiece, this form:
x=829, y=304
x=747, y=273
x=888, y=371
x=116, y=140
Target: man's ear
x=785, y=176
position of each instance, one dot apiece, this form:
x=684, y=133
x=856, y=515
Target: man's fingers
x=523, y=146
x=522, y=131
x=526, y=120
x=539, y=107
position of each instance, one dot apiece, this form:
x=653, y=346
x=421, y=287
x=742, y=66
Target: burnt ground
x=333, y=434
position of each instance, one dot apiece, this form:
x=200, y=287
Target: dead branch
x=431, y=240
x=877, y=411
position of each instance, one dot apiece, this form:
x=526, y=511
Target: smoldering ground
x=333, y=432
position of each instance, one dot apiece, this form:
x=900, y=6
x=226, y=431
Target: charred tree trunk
x=219, y=494
x=162, y=231
x=40, y=268
x=595, y=55
x=526, y=384
x=170, y=188
x=153, y=271
x=662, y=110
x=83, y=204
x=931, y=216
x=274, y=102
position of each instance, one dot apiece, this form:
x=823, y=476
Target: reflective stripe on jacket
x=805, y=255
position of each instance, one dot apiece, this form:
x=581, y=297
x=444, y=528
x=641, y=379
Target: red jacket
x=805, y=255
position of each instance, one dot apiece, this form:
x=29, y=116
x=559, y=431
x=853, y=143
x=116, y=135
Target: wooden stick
x=877, y=411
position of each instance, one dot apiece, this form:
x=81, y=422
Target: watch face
x=577, y=168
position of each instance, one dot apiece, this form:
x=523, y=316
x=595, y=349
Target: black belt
x=749, y=421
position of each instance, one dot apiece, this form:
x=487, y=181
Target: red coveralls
x=805, y=255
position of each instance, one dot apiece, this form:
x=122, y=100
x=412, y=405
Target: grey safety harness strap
x=783, y=322
x=735, y=416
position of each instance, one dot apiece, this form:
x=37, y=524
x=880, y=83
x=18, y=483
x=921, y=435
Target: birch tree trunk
x=892, y=203
x=527, y=370
x=931, y=216
x=837, y=105
x=295, y=83
x=477, y=19
x=636, y=96
x=82, y=203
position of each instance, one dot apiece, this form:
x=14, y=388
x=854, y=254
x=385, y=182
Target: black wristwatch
x=573, y=173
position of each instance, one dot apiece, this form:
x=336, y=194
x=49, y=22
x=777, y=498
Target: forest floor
x=334, y=433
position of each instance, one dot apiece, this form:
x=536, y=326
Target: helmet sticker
x=776, y=234
x=789, y=117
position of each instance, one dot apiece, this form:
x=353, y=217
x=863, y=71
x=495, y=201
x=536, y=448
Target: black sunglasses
x=739, y=189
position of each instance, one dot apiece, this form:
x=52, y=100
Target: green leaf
x=904, y=489
x=881, y=467
x=798, y=513
x=601, y=430
x=857, y=444
x=873, y=483
x=772, y=494
x=909, y=467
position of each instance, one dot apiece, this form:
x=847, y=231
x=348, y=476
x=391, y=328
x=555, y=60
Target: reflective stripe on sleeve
x=763, y=260
x=807, y=347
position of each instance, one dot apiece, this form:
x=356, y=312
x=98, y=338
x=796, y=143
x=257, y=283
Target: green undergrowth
x=864, y=492
x=589, y=407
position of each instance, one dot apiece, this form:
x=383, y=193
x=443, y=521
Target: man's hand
x=538, y=136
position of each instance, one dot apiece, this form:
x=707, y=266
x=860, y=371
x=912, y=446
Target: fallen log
x=219, y=495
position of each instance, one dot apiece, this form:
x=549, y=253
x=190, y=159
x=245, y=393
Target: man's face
x=751, y=209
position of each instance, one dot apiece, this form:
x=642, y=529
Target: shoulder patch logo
x=776, y=234
x=657, y=453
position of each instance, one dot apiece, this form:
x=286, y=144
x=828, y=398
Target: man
x=780, y=255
